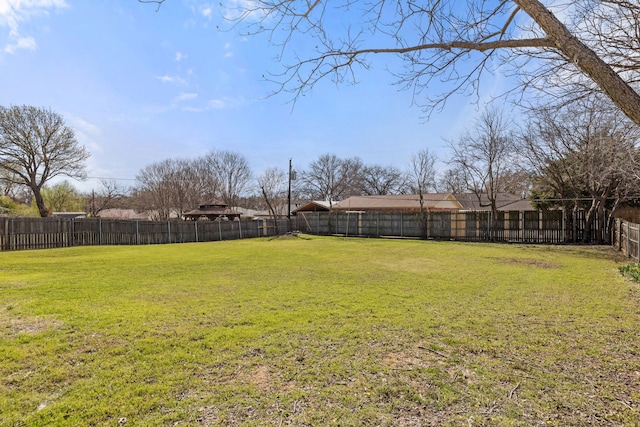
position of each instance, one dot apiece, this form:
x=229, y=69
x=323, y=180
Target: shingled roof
x=212, y=210
x=399, y=202
x=432, y=202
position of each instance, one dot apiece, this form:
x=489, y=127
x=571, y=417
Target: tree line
x=583, y=155
x=577, y=70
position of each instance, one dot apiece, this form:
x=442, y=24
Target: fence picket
x=41, y=233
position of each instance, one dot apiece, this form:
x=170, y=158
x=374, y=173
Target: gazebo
x=212, y=210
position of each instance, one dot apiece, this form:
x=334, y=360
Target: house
x=115, y=213
x=399, y=203
x=504, y=202
x=431, y=202
x=313, y=206
x=212, y=210
x=69, y=215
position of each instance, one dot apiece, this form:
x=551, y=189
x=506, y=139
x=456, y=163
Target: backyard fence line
x=551, y=226
x=45, y=233
x=626, y=238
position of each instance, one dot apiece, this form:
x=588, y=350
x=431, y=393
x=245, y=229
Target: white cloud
x=248, y=10
x=216, y=104
x=27, y=43
x=180, y=56
x=185, y=97
x=213, y=104
x=172, y=79
x=228, y=53
x=13, y=13
x=206, y=11
x=87, y=133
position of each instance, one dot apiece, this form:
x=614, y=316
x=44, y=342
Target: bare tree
x=155, y=189
x=452, y=42
x=422, y=174
x=273, y=187
x=453, y=180
x=232, y=173
x=587, y=155
x=36, y=146
x=330, y=177
x=484, y=154
x=107, y=197
x=379, y=180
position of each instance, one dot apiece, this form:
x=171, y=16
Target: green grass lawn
x=318, y=331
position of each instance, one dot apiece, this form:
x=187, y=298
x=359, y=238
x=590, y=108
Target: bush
x=632, y=271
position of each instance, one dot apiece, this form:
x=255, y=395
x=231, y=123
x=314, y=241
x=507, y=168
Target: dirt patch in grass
x=529, y=262
x=28, y=325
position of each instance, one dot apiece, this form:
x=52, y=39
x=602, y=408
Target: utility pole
x=289, y=193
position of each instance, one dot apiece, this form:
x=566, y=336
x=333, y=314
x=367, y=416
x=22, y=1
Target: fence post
x=627, y=239
x=637, y=243
x=196, y=225
x=100, y=231
x=5, y=228
x=240, y=228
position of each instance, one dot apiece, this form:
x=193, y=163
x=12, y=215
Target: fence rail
x=626, y=238
x=511, y=226
x=43, y=233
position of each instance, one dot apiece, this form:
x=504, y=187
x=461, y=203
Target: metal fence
x=42, y=233
x=507, y=226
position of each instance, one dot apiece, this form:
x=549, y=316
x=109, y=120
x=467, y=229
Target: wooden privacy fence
x=508, y=226
x=626, y=237
x=41, y=233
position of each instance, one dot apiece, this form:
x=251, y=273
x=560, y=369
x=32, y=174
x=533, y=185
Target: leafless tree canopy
x=232, y=171
x=485, y=156
x=36, y=146
x=422, y=173
x=175, y=186
x=585, y=156
x=108, y=197
x=330, y=178
x=455, y=42
x=380, y=180
x=272, y=184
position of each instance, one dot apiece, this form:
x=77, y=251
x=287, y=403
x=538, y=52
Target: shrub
x=632, y=271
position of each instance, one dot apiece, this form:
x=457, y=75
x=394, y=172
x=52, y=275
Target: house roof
x=433, y=201
x=115, y=213
x=314, y=206
x=213, y=203
x=504, y=202
x=213, y=211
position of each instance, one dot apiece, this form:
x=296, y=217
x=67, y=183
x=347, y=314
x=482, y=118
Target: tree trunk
x=272, y=210
x=585, y=59
x=611, y=222
x=42, y=208
x=589, y=221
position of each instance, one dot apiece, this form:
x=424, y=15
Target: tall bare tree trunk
x=585, y=59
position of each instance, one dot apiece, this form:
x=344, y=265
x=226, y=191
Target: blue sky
x=140, y=86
